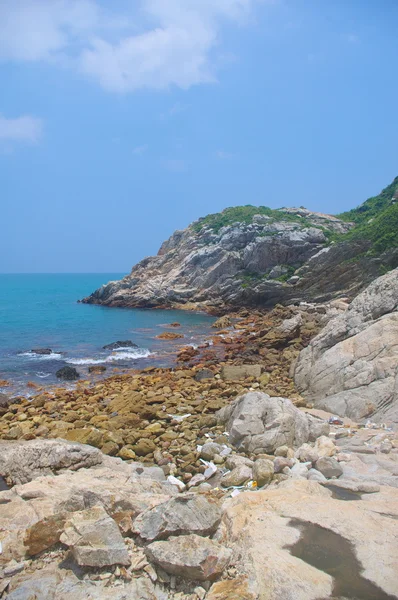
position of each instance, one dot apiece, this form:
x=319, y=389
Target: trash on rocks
x=211, y=468
x=335, y=420
x=235, y=493
x=179, y=418
x=174, y=481
x=226, y=451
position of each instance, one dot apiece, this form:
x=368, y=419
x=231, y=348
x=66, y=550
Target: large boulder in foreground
x=190, y=556
x=351, y=367
x=258, y=423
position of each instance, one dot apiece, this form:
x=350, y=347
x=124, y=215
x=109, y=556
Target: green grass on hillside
x=376, y=220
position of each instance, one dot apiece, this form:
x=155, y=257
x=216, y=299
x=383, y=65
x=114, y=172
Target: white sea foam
x=35, y=356
x=132, y=355
x=42, y=375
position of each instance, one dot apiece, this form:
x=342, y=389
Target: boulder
x=190, y=556
x=263, y=471
x=236, y=372
x=238, y=476
x=120, y=344
x=351, y=367
x=68, y=374
x=222, y=322
x=97, y=369
x=95, y=539
x=24, y=461
x=329, y=467
x=43, y=351
x=209, y=450
x=307, y=453
x=324, y=446
x=4, y=400
x=190, y=513
x=258, y=423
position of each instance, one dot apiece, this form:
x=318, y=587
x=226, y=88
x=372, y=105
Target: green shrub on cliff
x=244, y=214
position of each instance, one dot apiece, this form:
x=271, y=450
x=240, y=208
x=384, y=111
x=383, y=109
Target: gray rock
x=67, y=374
x=236, y=460
x=314, y=475
x=363, y=487
x=258, y=423
x=237, y=476
x=4, y=400
x=190, y=556
x=351, y=367
x=307, y=453
x=329, y=467
x=281, y=462
x=299, y=471
x=263, y=471
x=203, y=374
x=189, y=513
x=23, y=461
x=95, y=539
x=209, y=450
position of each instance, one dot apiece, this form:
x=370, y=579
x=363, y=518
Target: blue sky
x=122, y=121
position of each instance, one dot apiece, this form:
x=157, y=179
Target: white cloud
x=22, y=129
x=140, y=149
x=156, y=44
x=352, y=38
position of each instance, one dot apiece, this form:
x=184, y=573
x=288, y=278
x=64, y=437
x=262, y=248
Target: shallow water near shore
x=41, y=311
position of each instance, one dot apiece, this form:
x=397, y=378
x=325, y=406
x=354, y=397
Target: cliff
x=256, y=256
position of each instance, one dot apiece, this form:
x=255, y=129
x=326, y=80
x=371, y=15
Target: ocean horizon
x=41, y=310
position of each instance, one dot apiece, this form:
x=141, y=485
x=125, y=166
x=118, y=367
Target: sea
x=42, y=311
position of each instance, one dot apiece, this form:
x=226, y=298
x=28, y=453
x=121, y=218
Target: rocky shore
x=215, y=479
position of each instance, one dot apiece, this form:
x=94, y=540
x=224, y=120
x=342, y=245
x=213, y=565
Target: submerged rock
x=120, y=344
x=68, y=374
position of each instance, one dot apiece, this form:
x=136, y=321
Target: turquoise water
x=41, y=311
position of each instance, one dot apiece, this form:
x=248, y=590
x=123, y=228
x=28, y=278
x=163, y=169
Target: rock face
x=190, y=556
x=235, y=264
x=258, y=423
x=21, y=462
x=265, y=527
x=351, y=367
x=95, y=539
x=179, y=516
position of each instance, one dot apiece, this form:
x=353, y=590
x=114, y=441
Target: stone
x=281, y=451
x=4, y=401
x=324, y=446
x=209, y=450
x=97, y=369
x=314, y=475
x=24, y=461
x=307, y=453
x=258, y=423
x=204, y=374
x=329, y=467
x=67, y=374
x=238, y=476
x=44, y=351
x=222, y=322
x=263, y=471
x=95, y=539
x=231, y=589
x=143, y=447
x=281, y=462
x=86, y=435
x=351, y=367
x=169, y=335
x=236, y=372
x=190, y=556
x=189, y=513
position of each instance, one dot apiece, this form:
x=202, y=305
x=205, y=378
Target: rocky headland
x=258, y=257
x=262, y=466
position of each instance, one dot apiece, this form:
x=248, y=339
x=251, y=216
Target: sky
x=122, y=121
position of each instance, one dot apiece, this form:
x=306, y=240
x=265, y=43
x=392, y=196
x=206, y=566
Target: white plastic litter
x=174, y=481
x=180, y=418
x=235, y=493
x=199, y=448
